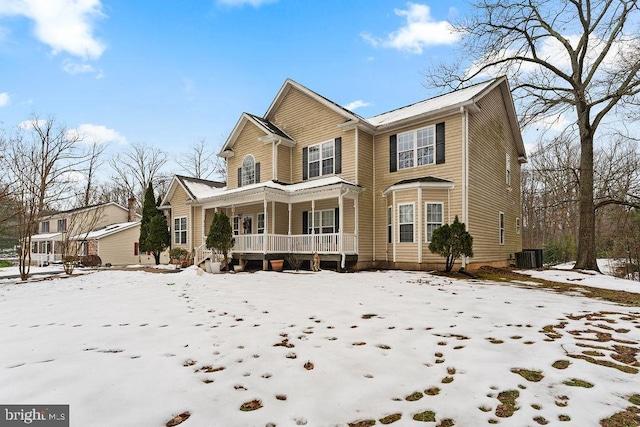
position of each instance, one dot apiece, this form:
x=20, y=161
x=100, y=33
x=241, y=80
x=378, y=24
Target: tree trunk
x=586, y=257
x=156, y=256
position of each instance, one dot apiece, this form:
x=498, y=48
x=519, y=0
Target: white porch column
x=266, y=228
x=289, y=230
x=340, y=222
x=313, y=225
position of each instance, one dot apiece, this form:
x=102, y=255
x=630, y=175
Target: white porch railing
x=299, y=243
x=284, y=243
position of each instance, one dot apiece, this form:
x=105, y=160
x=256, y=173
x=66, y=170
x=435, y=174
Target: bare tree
x=577, y=57
x=94, y=161
x=199, y=161
x=135, y=168
x=40, y=162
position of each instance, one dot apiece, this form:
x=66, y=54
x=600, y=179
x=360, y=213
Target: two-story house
x=108, y=230
x=311, y=176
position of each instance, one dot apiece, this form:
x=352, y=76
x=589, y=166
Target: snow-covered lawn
x=130, y=348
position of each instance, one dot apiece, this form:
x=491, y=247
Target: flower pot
x=276, y=264
x=215, y=267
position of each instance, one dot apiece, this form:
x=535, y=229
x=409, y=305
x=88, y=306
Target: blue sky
x=169, y=73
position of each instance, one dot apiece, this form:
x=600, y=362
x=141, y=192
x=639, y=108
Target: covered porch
x=273, y=220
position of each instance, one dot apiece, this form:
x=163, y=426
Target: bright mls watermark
x=34, y=415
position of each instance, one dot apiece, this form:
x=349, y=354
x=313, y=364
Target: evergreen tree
x=149, y=210
x=220, y=235
x=158, y=237
x=451, y=241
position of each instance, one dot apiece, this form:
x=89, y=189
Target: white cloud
x=30, y=124
x=420, y=31
x=71, y=67
x=240, y=3
x=356, y=104
x=98, y=133
x=64, y=25
x=4, y=99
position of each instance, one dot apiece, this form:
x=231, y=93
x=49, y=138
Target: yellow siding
x=90, y=219
x=197, y=227
x=118, y=248
x=309, y=122
x=179, y=209
x=247, y=143
x=450, y=170
x=489, y=141
x=284, y=164
x=365, y=202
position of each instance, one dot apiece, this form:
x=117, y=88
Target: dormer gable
x=271, y=134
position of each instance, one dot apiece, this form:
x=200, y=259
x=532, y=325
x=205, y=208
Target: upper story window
x=508, y=170
x=416, y=148
x=248, y=170
x=321, y=159
x=62, y=225
x=44, y=227
x=180, y=231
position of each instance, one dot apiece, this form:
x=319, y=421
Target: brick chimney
x=131, y=217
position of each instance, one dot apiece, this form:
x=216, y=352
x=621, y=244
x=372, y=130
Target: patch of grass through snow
x=529, y=375
x=575, y=382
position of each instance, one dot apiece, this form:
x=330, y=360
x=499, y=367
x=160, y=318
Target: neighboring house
x=311, y=176
x=92, y=230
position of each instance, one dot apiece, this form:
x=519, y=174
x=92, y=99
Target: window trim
x=177, y=238
x=42, y=227
x=312, y=226
x=427, y=222
x=518, y=225
x=414, y=148
x=236, y=225
x=321, y=158
x=260, y=217
x=62, y=225
x=253, y=172
x=501, y=230
x=413, y=222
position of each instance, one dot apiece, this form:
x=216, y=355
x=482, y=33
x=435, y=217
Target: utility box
x=529, y=258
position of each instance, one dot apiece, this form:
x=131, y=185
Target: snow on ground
x=562, y=273
x=129, y=348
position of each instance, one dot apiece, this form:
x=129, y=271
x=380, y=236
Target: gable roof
x=453, y=101
x=106, y=231
x=427, y=109
x=289, y=84
x=271, y=132
x=82, y=209
x=195, y=188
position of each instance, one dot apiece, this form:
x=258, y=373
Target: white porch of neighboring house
x=272, y=220
x=46, y=248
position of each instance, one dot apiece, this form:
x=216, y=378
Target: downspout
x=465, y=171
x=357, y=160
x=343, y=256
